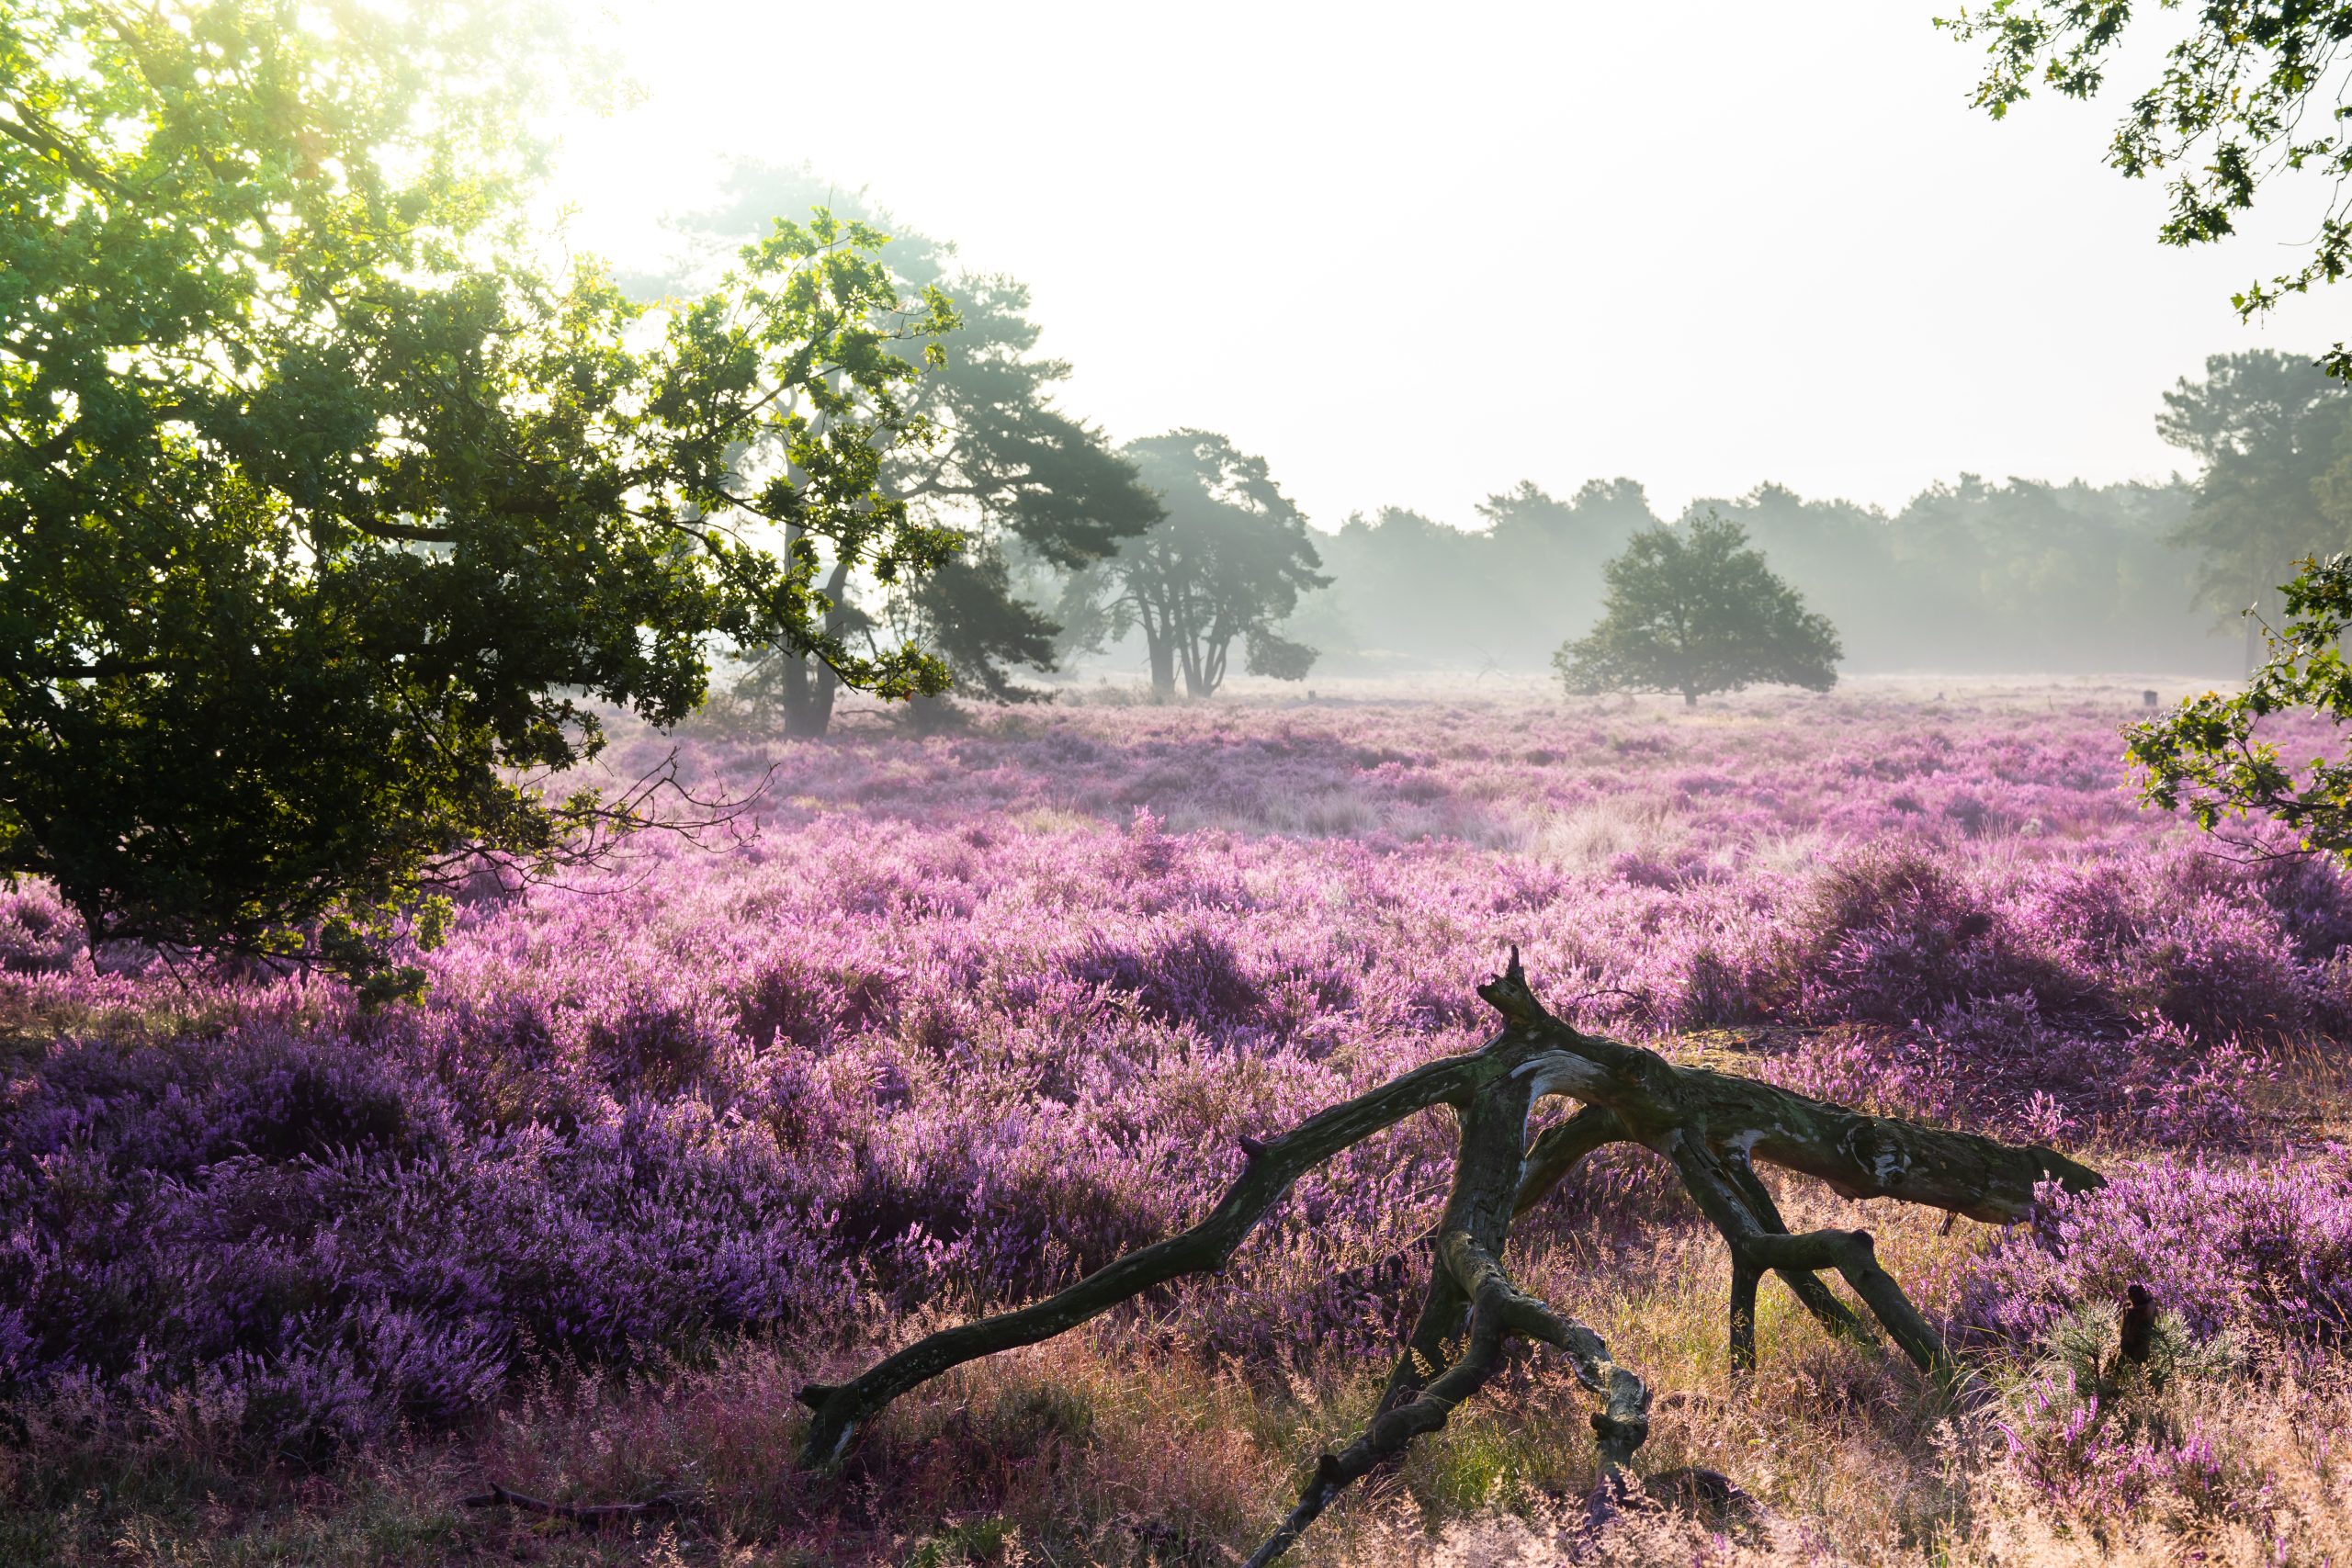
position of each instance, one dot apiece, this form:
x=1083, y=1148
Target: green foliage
x=2207, y=758
x=2270, y=430
x=2080, y=1357
x=2253, y=89
x=1227, y=564
x=1691, y=609
x=328, y=517
x=1025, y=486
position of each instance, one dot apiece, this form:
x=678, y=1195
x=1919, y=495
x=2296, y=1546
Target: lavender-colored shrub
x=972, y=1014
x=2264, y=1249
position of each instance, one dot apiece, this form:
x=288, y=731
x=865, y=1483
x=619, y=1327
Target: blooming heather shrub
x=1895, y=935
x=37, y=931
x=295, y=1236
x=2080, y=1461
x=1996, y=1065
x=170, y=1110
x=974, y=1014
x=2265, y=1250
x=1187, y=975
x=2218, y=968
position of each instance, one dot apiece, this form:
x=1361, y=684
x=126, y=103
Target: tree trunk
x=1709, y=1125
x=809, y=684
x=1163, y=664
x=1689, y=698
x=809, y=691
x=2252, y=644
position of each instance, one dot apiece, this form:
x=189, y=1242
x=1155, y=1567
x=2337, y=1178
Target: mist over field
x=1016, y=787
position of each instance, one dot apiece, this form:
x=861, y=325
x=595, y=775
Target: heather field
x=946, y=1022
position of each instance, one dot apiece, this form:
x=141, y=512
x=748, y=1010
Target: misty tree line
x=1176, y=557
x=2019, y=575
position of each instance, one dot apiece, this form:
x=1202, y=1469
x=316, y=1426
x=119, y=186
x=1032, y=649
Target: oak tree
x=330, y=512
x=1027, y=489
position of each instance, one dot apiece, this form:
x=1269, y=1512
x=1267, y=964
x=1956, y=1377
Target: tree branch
x=1272, y=1167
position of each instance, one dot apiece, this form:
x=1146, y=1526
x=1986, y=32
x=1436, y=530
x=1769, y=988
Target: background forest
x=1975, y=575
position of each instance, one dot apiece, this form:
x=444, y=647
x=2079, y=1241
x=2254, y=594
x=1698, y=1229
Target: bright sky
x=1413, y=255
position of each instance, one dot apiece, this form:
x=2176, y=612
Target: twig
x=604, y=1515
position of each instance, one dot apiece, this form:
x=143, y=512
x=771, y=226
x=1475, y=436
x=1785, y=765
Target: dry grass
x=1106, y=1447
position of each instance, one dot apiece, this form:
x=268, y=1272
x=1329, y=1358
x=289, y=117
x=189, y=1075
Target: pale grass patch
x=1789, y=854
x=1049, y=820
x=1312, y=813
x=1588, y=836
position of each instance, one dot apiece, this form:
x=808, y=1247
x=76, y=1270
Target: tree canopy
x=2255, y=89
x=1691, y=609
x=329, y=513
x=1025, y=487
x=2208, y=757
x=1227, y=564
x=2270, y=429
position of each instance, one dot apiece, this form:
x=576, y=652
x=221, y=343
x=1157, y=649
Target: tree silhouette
x=1691, y=609
x=1227, y=564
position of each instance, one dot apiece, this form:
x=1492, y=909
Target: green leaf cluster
x=1691, y=609
x=1028, y=489
x=2256, y=88
x=331, y=515
x=2207, y=757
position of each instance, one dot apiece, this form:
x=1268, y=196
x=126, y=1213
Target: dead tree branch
x=1711, y=1125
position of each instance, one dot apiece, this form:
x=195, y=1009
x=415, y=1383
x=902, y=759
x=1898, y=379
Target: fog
x=1484, y=306
x=1412, y=263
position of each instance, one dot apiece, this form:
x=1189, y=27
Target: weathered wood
x=1828, y=1309
x=838, y=1411
x=1710, y=1126
x=1851, y=1253
x=1744, y=1279
x=1858, y=1155
x=1478, y=1211
x=1558, y=1150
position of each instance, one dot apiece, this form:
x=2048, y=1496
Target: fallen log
x=1713, y=1126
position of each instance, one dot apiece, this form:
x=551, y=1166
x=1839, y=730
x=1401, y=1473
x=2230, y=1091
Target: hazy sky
x=1414, y=254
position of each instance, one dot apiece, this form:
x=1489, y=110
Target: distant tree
x=1541, y=559
x=1023, y=485
x=2254, y=90
x=1227, y=564
x=1691, y=609
x=329, y=518
x=2268, y=427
